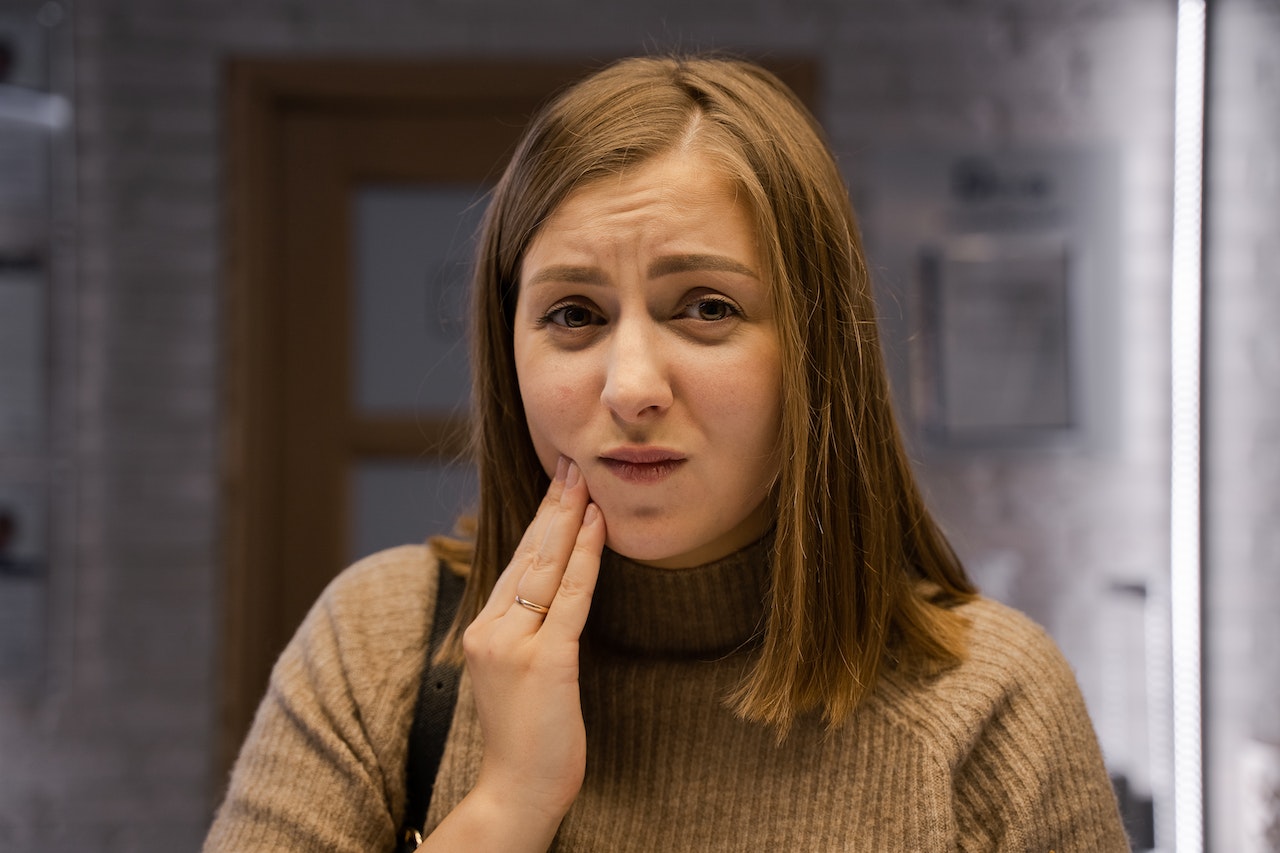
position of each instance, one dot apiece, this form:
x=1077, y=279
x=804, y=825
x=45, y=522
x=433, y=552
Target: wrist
x=533, y=801
x=489, y=819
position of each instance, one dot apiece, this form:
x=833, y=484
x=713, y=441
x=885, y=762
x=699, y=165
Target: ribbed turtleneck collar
x=700, y=612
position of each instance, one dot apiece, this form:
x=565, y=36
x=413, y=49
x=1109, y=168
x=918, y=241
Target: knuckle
x=571, y=587
x=475, y=641
x=539, y=564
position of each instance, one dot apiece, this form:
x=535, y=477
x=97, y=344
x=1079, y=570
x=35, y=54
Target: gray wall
x=117, y=753
x=1242, y=447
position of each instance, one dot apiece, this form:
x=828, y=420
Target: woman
x=726, y=619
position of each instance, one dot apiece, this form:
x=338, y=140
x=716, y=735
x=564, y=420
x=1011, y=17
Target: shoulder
x=333, y=726
x=382, y=589
x=1009, y=727
x=1007, y=648
x=375, y=613
x=1011, y=666
x=368, y=629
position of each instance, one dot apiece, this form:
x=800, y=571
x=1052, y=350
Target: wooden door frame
x=260, y=95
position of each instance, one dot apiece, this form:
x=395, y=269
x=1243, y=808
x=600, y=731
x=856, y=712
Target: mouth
x=642, y=464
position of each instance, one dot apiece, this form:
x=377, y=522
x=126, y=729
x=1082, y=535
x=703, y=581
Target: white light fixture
x=1185, y=516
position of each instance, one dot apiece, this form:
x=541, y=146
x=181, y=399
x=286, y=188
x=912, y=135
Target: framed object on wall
x=996, y=360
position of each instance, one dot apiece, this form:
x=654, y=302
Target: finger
x=572, y=601
x=503, y=592
x=547, y=564
x=536, y=531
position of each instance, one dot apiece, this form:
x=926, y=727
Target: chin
x=640, y=548
x=645, y=548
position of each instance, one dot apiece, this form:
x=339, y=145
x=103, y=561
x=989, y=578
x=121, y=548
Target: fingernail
x=591, y=515
x=562, y=467
x=572, y=475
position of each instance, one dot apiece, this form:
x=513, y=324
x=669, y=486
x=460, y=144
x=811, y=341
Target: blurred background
x=233, y=237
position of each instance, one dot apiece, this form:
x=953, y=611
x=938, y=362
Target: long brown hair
x=862, y=578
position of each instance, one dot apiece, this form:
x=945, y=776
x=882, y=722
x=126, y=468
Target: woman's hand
x=523, y=665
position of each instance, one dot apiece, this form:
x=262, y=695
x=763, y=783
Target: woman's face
x=647, y=352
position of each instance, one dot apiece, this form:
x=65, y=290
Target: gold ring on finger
x=529, y=605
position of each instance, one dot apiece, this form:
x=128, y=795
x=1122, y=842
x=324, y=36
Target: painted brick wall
x=118, y=756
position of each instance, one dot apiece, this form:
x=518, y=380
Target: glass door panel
x=396, y=502
x=413, y=251
x=413, y=248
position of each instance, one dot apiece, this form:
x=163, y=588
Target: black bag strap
x=437, y=694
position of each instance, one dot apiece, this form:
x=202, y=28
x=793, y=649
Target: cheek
x=751, y=401
x=549, y=409
x=550, y=405
x=765, y=413
x=757, y=422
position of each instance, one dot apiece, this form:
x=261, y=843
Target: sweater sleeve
x=322, y=768
x=1034, y=777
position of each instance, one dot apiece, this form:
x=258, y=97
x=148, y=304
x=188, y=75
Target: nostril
x=634, y=396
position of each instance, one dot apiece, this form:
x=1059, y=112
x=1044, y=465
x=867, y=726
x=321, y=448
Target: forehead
x=681, y=197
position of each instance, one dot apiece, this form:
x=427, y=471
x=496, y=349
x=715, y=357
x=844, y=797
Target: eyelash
x=549, y=318
x=733, y=310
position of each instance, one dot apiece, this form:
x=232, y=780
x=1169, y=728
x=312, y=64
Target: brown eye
x=571, y=316
x=710, y=310
x=575, y=316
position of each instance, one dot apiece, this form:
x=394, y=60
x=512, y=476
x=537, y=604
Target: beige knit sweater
x=997, y=754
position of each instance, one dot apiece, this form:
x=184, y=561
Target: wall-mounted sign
x=997, y=274
x=994, y=354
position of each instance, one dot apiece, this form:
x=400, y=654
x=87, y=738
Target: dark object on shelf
x=1137, y=813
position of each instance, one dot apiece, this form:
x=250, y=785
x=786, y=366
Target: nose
x=637, y=383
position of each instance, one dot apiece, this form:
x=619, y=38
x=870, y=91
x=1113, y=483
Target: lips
x=642, y=464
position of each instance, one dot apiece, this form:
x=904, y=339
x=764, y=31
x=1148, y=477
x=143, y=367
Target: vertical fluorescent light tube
x=1185, y=517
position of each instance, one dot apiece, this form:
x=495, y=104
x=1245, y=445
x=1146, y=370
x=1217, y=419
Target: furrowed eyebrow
x=567, y=274
x=668, y=265
x=673, y=264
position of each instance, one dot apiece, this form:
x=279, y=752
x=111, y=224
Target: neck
x=707, y=610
